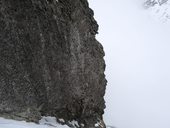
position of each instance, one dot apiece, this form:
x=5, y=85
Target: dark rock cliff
x=50, y=62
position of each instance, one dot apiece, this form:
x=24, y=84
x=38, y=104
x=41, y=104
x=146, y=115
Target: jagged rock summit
x=50, y=62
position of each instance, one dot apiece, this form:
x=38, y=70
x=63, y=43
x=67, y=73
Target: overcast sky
x=137, y=51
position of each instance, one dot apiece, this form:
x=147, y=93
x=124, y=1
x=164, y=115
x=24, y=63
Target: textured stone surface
x=50, y=61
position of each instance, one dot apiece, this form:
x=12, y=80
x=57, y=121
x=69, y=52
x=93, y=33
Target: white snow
x=74, y=123
x=45, y=122
x=61, y=120
x=97, y=124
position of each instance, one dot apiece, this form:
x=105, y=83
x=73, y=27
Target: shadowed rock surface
x=50, y=62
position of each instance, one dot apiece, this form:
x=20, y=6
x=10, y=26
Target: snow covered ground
x=45, y=122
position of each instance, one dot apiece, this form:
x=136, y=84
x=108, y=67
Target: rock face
x=50, y=62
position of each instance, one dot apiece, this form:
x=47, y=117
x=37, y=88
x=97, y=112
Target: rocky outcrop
x=50, y=62
x=158, y=10
x=151, y=3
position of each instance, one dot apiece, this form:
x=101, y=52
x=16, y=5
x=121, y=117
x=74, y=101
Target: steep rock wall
x=50, y=62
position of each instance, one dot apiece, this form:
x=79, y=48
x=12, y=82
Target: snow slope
x=45, y=122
